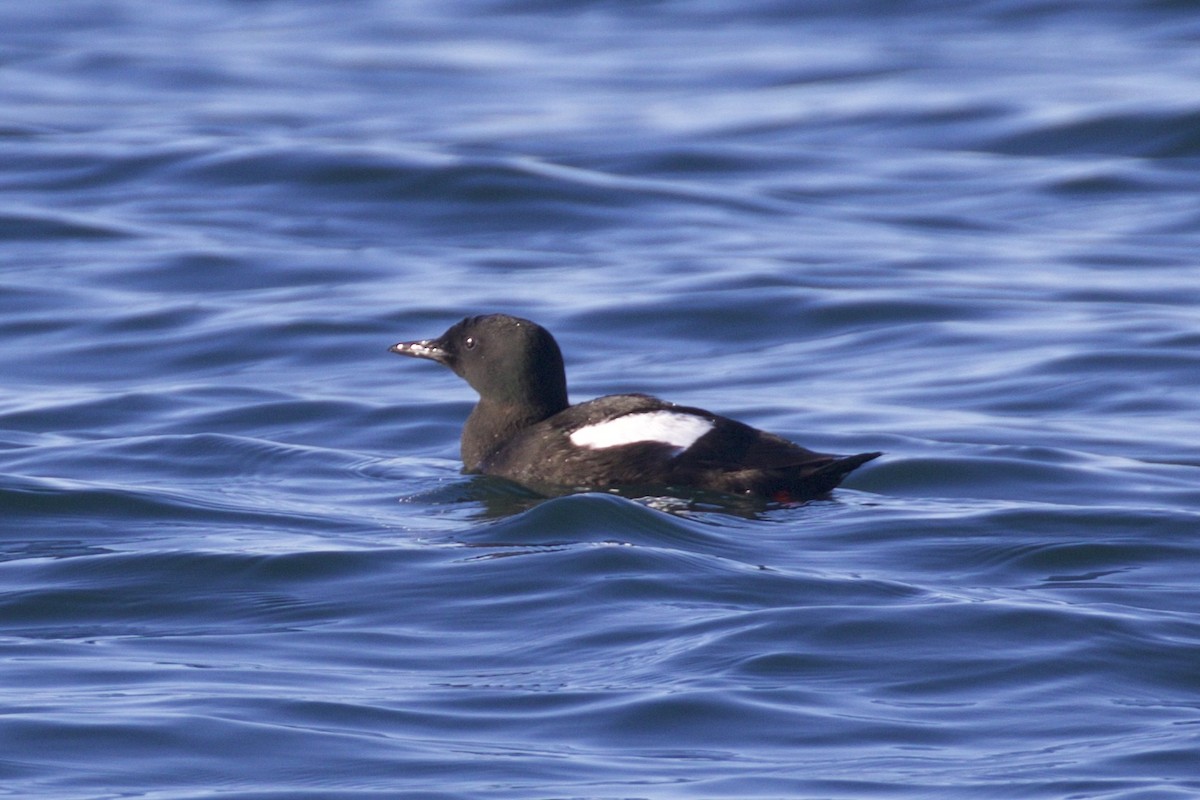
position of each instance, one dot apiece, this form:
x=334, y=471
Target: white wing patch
x=668, y=427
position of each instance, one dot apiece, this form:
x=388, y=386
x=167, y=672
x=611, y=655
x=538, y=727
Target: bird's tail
x=827, y=477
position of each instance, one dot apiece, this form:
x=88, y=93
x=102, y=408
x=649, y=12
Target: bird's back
x=639, y=440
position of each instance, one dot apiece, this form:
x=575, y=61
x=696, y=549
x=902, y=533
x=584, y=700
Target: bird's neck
x=493, y=424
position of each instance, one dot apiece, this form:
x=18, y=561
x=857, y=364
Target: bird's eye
x=469, y=343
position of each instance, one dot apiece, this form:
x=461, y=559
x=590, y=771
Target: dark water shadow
x=499, y=499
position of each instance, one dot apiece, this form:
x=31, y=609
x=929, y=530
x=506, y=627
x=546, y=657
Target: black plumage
x=522, y=427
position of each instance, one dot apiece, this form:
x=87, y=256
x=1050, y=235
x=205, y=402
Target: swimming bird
x=524, y=429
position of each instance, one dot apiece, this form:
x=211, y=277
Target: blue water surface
x=238, y=557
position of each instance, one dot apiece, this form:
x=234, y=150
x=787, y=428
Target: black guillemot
x=525, y=430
